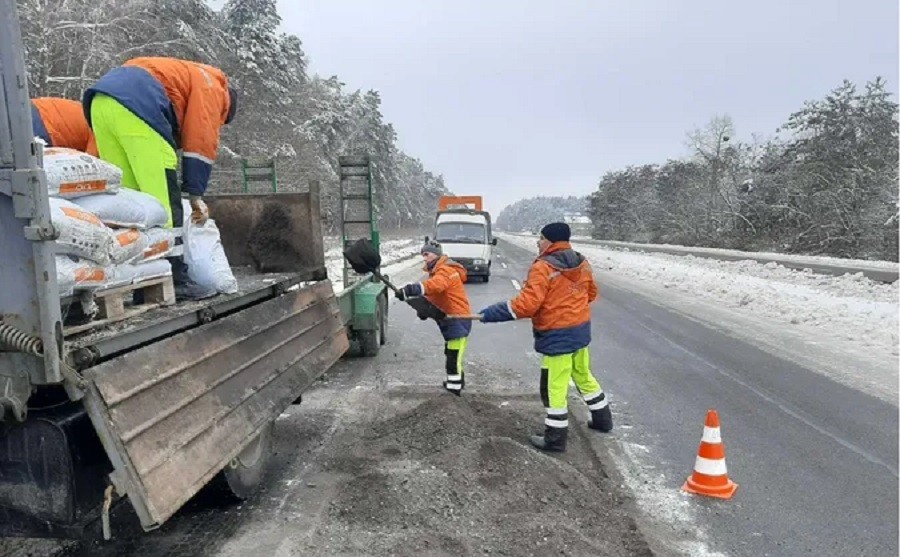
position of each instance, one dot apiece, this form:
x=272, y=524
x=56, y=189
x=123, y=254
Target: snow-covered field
x=845, y=326
x=396, y=255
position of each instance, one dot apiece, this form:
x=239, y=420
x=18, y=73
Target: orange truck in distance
x=449, y=202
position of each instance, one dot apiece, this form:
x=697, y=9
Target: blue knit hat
x=557, y=232
x=232, y=104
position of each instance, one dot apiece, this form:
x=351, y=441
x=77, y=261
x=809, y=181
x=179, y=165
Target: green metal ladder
x=357, y=205
x=259, y=171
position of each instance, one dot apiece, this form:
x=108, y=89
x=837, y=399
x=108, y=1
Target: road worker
x=145, y=110
x=557, y=297
x=61, y=123
x=445, y=289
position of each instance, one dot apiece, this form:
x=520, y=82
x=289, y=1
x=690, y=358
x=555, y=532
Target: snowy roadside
x=396, y=256
x=845, y=327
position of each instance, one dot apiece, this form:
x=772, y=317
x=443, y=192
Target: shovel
x=364, y=258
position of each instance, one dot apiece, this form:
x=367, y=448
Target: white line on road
x=504, y=264
x=516, y=284
x=778, y=404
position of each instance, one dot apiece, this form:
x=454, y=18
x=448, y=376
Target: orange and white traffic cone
x=710, y=475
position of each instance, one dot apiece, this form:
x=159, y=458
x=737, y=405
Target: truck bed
x=98, y=344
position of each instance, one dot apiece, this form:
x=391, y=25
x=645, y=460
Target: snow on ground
x=823, y=260
x=396, y=255
x=847, y=325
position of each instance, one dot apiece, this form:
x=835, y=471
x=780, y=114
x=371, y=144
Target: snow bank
x=849, y=314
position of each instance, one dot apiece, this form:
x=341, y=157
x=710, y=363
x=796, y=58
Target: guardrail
x=875, y=272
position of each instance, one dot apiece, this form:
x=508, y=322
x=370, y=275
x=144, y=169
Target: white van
x=465, y=236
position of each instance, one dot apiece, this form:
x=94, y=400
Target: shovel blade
x=362, y=256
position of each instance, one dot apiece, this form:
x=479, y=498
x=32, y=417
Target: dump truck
x=463, y=228
x=156, y=399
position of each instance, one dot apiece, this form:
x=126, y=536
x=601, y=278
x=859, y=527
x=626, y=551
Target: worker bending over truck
x=61, y=123
x=145, y=110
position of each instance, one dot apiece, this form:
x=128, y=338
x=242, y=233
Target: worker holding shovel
x=445, y=289
x=557, y=298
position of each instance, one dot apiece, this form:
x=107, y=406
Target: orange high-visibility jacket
x=61, y=123
x=557, y=297
x=445, y=288
x=185, y=102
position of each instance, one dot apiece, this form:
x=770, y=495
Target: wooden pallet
x=116, y=304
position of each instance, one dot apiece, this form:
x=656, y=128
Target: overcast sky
x=516, y=98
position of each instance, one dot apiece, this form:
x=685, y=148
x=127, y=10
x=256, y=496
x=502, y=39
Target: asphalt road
x=816, y=461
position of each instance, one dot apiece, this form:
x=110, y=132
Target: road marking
x=516, y=284
x=504, y=264
x=796, y=414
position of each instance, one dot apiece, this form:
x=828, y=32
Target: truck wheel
x=486, y=278
x=242, y=476
x=370, y=341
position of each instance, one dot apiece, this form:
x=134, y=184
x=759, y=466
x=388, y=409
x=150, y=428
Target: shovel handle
x=471, y=317
x=380, y=277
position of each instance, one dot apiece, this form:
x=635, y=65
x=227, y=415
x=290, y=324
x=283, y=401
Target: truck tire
x=242, y=476
x=487, y=278
x=370, y=341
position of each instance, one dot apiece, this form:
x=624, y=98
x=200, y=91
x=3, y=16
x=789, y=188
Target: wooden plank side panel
x=161, y=439
x=140, y=369
x=179, y=410
x=168, y=485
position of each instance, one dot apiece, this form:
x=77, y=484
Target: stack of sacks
x=108, y=235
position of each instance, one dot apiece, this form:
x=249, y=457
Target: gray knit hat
x=432, y=247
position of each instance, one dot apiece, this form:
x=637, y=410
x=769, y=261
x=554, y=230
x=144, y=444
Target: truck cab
x=464, y=231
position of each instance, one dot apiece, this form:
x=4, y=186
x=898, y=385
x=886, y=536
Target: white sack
x=128, y=274
x=80, y=233
x=205, y=257
x=126, y=209
x=75, y=273
x=71, y=173
x=159, y=243
x=128, y=245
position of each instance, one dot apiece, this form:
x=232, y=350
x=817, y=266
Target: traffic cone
x=710, y=475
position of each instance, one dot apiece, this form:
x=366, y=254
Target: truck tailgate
x=173, y=414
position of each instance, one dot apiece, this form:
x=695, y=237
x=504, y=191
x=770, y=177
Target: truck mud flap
x=172, y=414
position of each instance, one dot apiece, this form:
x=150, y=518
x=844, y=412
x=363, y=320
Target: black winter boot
x=452, y=387
x=553, y=439
x=601, y=420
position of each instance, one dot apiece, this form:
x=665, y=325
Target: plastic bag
x=159, y=243
x=75, y=273
x=205, y=257
x=71, y=173
x=80, y=233
x=126, y=209
x=128, y=245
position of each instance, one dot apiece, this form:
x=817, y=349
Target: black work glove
x=409, y=291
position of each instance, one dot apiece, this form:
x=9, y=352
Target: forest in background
x=301, y=120
x=825, y=184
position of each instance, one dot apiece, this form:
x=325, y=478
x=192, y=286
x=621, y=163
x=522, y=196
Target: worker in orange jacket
x=445, y=289
x=146, y=110
x=557, y=297
x=61, y=123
